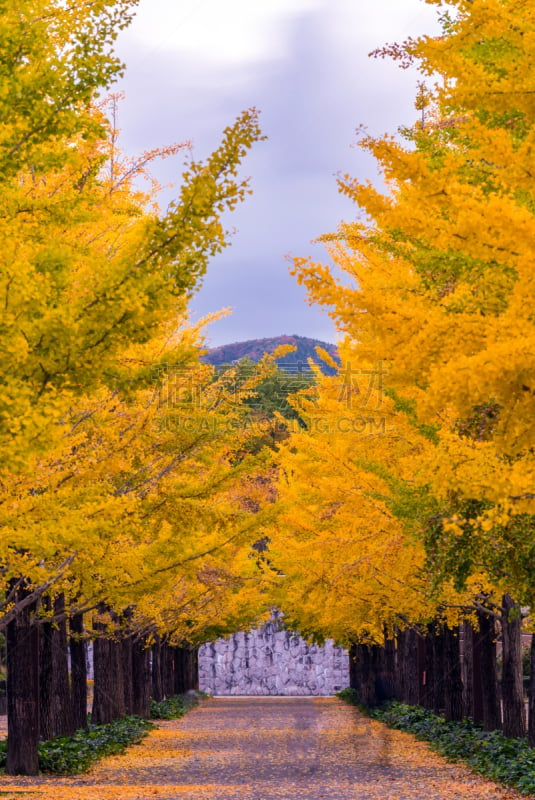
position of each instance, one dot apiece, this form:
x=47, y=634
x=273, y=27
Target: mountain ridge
x=254, y=349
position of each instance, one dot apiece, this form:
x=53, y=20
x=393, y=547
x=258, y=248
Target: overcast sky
x=193, y=65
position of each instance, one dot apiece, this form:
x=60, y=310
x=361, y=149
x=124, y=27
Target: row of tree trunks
x=44, y=701
x=128, y=674
x=427, y=667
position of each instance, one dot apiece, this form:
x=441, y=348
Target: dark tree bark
x=467, y=670
x=128, y=675
x=156, y=671
x=438, y=669
x=402, y=666
x=486, y=650
x=168, y=670
x=477, y=677
x=369, y=677
x=195, y=661
x=104, y=680
x=453, y=685
x=428, y=677
x=56, y=717
x=46, y=678
x=22, y=639
x=78, y=648
x=380, y=685
x=420, y=668
x=180, y=656
x=359, y=675
x=191, y=676
x=409, y=652
x=514, y=715
x=398, y=665
x=119, y=698
x=531, y=696
x=108, y=688
x=366, y=670
x=353, y=667
x=389, y=668
x=141, y=678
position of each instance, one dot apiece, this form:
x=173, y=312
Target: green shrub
x=174, y=707
x=70, y=755
x=509, y=761
x=348, y=696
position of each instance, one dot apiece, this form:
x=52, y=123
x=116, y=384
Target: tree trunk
x=398, y=668
x=467, y=670
x=389, y=669
x=22, y=639
x=402, y=666
x=438, y=670
x=410, y=667
x=180, y=670
x=108, y=697
x=352, y=666
x=191, y=669
x=46, y=677
x=64, y=723
x=56, y=711
x=531, y=696
x=195, y=661
x=453, y=685
x=514, y=716
x=156, y=671
x=168, y=670
x=477, y=677
x=420, y=668
x=128, y=676
x=119, y=704
x=428, y=678
x=103, y=687
x=368, y=679
x=78, y=647
x=141, y=678
x=486, y=649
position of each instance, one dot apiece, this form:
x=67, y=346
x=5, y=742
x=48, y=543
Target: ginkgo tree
x=347, y=543
x=441, y=283
x=440, y=293
x=94, y=281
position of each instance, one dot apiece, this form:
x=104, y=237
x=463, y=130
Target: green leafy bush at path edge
x=72, y=755
x=175, y=707
x=509, y=761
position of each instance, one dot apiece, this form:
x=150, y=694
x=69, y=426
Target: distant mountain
x=254, y=349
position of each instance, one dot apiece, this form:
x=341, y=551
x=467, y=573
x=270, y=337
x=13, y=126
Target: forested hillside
x=254, y=349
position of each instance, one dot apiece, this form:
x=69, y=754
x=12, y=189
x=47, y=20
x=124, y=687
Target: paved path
x=269, y=749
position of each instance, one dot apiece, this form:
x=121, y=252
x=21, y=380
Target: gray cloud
x=312, y=100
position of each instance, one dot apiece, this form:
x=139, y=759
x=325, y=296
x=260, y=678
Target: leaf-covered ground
x=269, y=749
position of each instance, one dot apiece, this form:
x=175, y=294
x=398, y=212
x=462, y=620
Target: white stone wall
x=272, y=662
